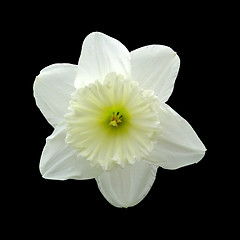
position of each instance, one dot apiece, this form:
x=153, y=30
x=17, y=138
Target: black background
x=190, y=198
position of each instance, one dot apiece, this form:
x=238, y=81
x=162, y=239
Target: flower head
x=111, y=121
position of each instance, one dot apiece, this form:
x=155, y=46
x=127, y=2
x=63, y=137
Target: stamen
x=115, y=120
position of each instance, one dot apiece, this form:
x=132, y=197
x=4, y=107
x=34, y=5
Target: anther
x=115, y=119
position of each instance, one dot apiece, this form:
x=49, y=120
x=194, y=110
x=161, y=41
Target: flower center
x=113, y=123
x=116, y=119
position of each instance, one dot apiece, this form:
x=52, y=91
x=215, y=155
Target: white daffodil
x=111, y=121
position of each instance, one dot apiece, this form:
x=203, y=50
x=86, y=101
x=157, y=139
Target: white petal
x=125, y=187
x=52, y=90
x=101, y=55
x=155, y=67
x=59, y=161
x=178, y=144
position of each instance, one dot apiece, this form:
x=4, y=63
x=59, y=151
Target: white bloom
x=111, y=121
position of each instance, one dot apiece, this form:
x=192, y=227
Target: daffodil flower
x=111, y=121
